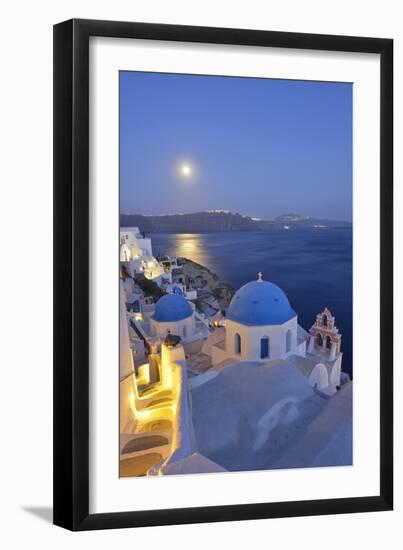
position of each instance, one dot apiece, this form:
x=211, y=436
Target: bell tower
x=325, y=336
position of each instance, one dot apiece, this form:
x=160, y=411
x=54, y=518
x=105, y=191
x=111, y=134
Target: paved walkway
x=152, y=439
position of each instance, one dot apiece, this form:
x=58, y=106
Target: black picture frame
x=71, y=274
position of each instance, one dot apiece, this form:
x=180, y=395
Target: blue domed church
x=173, y=314
x=261, y=325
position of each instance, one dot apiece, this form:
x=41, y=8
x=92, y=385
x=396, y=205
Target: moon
x=186, y=170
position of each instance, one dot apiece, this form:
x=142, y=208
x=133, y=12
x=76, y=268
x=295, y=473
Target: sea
x=313, y=266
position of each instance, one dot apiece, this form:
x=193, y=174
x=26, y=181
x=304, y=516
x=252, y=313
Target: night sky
x=259, y=147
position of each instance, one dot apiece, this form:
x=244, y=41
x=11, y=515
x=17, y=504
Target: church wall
x=175, y=327
x=231, y=330
x=251, y=337
x=300, y=349
x=292, y=325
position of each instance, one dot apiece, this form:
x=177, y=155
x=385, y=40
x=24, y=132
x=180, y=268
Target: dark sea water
x=312, y=266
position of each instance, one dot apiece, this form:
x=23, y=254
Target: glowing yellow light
x=186, y=170
x=188, y=245
x=161, y=413
x=132, y=400
x=143, y=377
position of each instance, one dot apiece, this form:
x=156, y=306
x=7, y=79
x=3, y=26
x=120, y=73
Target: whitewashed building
x=133, y=244
x=173, y=314
x=136, y=256
x=262, y=326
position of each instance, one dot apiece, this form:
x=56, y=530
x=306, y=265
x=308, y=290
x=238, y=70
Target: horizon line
x=225, y=211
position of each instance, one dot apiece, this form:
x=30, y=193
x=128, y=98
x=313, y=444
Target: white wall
x=126, y=359
x=251, y=336
x=175, y=328
x=136, y=243
x=26, y=114
x=125, y=254
x=145, y=246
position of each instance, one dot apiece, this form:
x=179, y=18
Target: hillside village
x=214, y=380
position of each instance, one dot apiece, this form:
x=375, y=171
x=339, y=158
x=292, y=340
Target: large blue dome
x=260, y=303
x=172, y=307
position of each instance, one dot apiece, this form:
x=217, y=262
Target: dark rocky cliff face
x=198, y=222
x=203, y=222
x=211, y=290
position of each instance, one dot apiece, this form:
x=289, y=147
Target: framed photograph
x=223, y=320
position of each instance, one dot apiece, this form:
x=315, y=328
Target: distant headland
x=221, y=220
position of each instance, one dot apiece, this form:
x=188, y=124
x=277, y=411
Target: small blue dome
x=172, y=307
x=260, y=303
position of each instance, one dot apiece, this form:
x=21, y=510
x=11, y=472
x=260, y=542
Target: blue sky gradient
x=259, y=147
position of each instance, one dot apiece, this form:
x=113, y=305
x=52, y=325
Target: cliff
x=203, y=222
x=212, y=292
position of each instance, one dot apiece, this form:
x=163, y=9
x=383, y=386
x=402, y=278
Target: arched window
x=238, y=344
x=328, y=342
x=264, y=347
x=319, y=339
x=288, y=340
x=324, y=320
x=184, y=331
